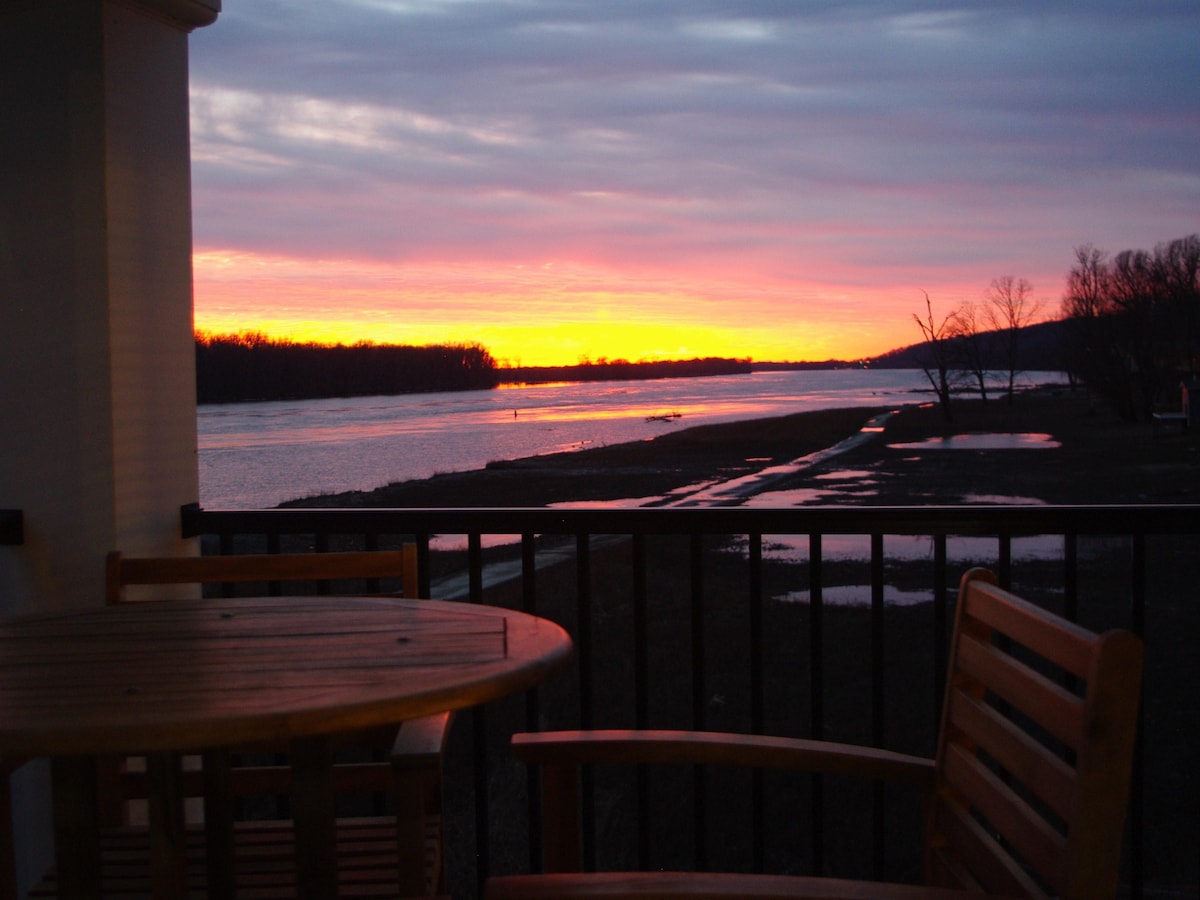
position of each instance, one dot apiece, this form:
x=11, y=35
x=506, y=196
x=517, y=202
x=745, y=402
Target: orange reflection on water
x=678, y=414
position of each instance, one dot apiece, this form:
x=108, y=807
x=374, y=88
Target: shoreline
x=1099, y=459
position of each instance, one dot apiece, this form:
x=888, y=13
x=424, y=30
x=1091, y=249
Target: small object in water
x=664, y=417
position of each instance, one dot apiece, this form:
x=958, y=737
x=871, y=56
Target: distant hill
x=808, y=366
x=1040, y=349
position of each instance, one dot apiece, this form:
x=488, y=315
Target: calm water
x=257, y=455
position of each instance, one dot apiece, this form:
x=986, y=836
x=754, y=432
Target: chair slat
x=1018, y=825
x=972, y=847
x=1050, y=705
x=1066, y=645
x=265, y=856
x=364, y=564
x=1035, y=766
x=945, y=870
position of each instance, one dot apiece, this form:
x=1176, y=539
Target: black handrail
x=1009, y=521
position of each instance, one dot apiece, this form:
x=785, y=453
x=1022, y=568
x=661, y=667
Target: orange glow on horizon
x=545, y=315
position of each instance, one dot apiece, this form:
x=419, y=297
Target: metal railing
x=733, y=618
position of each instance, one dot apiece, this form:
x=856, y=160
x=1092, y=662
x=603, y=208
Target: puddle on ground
x=858, y=595
x=448, y=543
x=784, y=499
x=843, y=475
x=999, y=500
x=623, y=503
x=793, y=548
x=983, y=441
x=806, y=496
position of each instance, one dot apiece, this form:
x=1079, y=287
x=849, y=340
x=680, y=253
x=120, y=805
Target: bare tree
x=1084, y=297
x=1010, y=308
x=1085, y=309
x=1134, y=323
x=972, y=350
x=938, y=362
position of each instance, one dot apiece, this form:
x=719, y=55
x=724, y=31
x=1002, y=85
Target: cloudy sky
x=779, y=179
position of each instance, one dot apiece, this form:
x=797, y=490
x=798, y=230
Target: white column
x=97, y=375
x=97, y=384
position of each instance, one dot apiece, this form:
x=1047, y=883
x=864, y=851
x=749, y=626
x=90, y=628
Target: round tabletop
x=189, y=674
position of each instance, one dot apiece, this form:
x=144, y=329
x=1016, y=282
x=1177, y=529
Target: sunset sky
x=644, y=179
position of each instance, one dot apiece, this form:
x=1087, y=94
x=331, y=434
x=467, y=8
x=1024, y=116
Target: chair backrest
x=1035, y=750
x=123, y=570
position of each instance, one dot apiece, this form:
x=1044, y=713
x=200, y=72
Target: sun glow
x=556, y=313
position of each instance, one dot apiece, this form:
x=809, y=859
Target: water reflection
x=255, y=455
x=983, y=441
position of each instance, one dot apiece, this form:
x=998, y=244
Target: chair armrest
x=416, y=760
x=561, y=753
x=420, y=742
x=716, y=748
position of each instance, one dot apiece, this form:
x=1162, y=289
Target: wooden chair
x=402, y=849
x=121, y=572
x=1026, y=796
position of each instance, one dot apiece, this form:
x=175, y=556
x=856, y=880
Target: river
x=257, y=455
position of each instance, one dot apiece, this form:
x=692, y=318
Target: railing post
x=585, y=646
x=479, y=731
x=816, y=692
x=532, y=718
x=941, y=623
x=1137, y=799
x=700, y=815
x=641, y=688
x=877, y=698
x=757, y=700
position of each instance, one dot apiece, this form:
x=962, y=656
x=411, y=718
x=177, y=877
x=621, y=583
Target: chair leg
x=410, y=832
x=314, y=815
x=560, y=818
x=168, y=836
x=76, y=826
x=218, y=823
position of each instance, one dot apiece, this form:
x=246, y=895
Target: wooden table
x=164, y=677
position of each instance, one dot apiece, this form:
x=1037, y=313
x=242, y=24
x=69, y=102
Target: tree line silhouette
x=232, y=368
x=623, y=370
x=1133, y=324
x=1129, y=329
x=252, y=366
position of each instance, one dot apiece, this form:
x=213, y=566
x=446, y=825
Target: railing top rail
x=898, y=520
